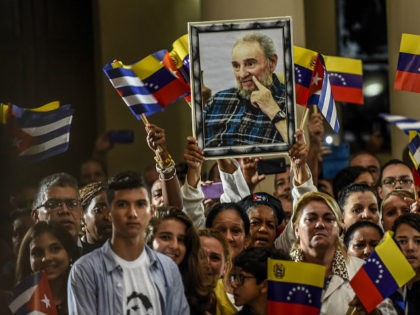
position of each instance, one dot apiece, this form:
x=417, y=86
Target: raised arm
x=192, y=194
x=316, y=135
x=165, y=165
x=234, y=185
x=249, y=169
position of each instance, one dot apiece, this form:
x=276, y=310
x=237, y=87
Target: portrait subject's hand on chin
x=263, y=99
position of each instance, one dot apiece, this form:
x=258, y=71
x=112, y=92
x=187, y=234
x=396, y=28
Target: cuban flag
x=404, y=123
x=33, y=296
x=38, y=134
x=147, y=87
x=385, y=270
x=321, y=94
x=294, y=288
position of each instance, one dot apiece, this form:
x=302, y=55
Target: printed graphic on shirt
x=138, y=303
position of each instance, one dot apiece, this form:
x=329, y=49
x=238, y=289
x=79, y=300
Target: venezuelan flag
x=178, y=62
x=346, y=79
x=408, y=69
x=304, y=60
x=294, y=288
x=385, y=270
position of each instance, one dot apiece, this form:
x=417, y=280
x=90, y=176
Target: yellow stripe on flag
x=410, y=44
x=345, y=65
x=146, y=67
x=181, y=47
x=3, y=113
x=296, y=272
x=44, y=108
x=304, y=57
x=394, y=260
x=47, y=107
x=414, y=158
x=143, y=68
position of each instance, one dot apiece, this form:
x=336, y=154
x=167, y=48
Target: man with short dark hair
x=254, y=112
x=125, y=276
x=57, y=200
x=395, y=175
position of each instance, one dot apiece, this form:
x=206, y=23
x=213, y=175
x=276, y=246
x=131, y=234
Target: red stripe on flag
x=280, y=308
x=347, y=94
x=366, y=290
x=169, y=93
x=416, y=176
x=302, y=94
x=407, y=81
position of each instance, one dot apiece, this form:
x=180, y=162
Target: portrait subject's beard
x=267, y=81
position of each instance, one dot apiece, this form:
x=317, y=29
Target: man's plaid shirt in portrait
x=231, y=120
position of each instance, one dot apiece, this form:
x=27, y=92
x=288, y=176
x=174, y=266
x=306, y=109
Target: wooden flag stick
x=305, y=117
x=144, y=119
x=146, y=122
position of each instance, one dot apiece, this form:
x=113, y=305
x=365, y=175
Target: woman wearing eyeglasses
x=395, y=175
x=315, y=221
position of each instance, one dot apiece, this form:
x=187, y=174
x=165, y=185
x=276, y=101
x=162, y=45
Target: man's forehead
x=58, y=192
x=396, y=170
x=139, y=193
x=247, y=50
x=364, y=160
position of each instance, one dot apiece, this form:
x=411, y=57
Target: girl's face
x=392, y=208
x=48, y=254
x=230, y=224
x=215, y=256
x=408, y=239
x=360, y=206
x=364, y=242
x=169, y=239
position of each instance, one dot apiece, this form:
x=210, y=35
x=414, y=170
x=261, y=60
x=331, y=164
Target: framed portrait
x=242, y=82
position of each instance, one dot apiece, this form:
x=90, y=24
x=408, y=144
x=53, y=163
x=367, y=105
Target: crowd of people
x=152, y=243
x=121, y=245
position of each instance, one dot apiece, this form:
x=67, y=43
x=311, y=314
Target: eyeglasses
x=392, y=181
x=238, y=279
x=54, y=204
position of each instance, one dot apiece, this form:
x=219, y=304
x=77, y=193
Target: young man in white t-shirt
x=125, y=276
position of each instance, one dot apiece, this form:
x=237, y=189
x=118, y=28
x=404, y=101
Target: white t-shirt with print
x=141, y=296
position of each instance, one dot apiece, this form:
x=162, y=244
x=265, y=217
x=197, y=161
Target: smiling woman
x=172, y=233
x=50, y=248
